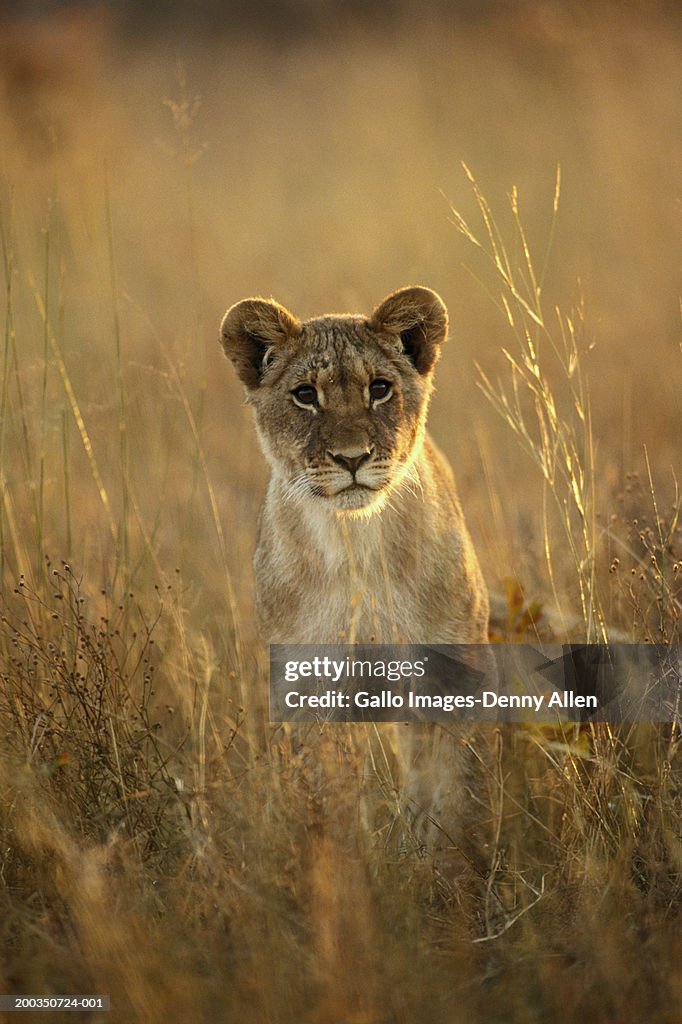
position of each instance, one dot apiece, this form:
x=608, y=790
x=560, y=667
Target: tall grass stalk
x=123, y=547
x=174, y=378
x=6, y=236
x=66, y=460
x=668, y=604
x=184, y=111
x=181, y=392
x=80, y=421
x=10, y=372
x=557, y=432
x=40, y=524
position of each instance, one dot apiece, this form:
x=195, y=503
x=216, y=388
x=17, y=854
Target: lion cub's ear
x=418, y=319
x=250, y=331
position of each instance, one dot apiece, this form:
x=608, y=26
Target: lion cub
x=361, y=536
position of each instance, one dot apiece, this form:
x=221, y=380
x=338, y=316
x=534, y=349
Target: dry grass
x=159, y=841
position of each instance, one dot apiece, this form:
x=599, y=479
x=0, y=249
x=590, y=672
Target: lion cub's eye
x=379, y=389
x=305, y=395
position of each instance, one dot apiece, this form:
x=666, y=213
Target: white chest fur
x=357, y=592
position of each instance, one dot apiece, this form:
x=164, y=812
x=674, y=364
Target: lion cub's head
x=340, y=401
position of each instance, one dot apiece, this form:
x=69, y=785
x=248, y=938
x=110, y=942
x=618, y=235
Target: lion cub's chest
x=352, y=583
x=361, y=586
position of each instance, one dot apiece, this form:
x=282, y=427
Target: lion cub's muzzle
x=350, y=476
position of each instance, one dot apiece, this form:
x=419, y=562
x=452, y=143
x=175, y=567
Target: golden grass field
x=159, y=841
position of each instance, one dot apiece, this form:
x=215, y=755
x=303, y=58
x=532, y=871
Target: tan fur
x=361, y=537
x=388, y=561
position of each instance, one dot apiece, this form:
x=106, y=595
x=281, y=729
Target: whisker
x=297, y=489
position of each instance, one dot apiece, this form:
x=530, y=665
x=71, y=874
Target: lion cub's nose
x=352, y=460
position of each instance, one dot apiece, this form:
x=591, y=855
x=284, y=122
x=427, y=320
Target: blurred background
x=160, y=840
x=159, y=162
